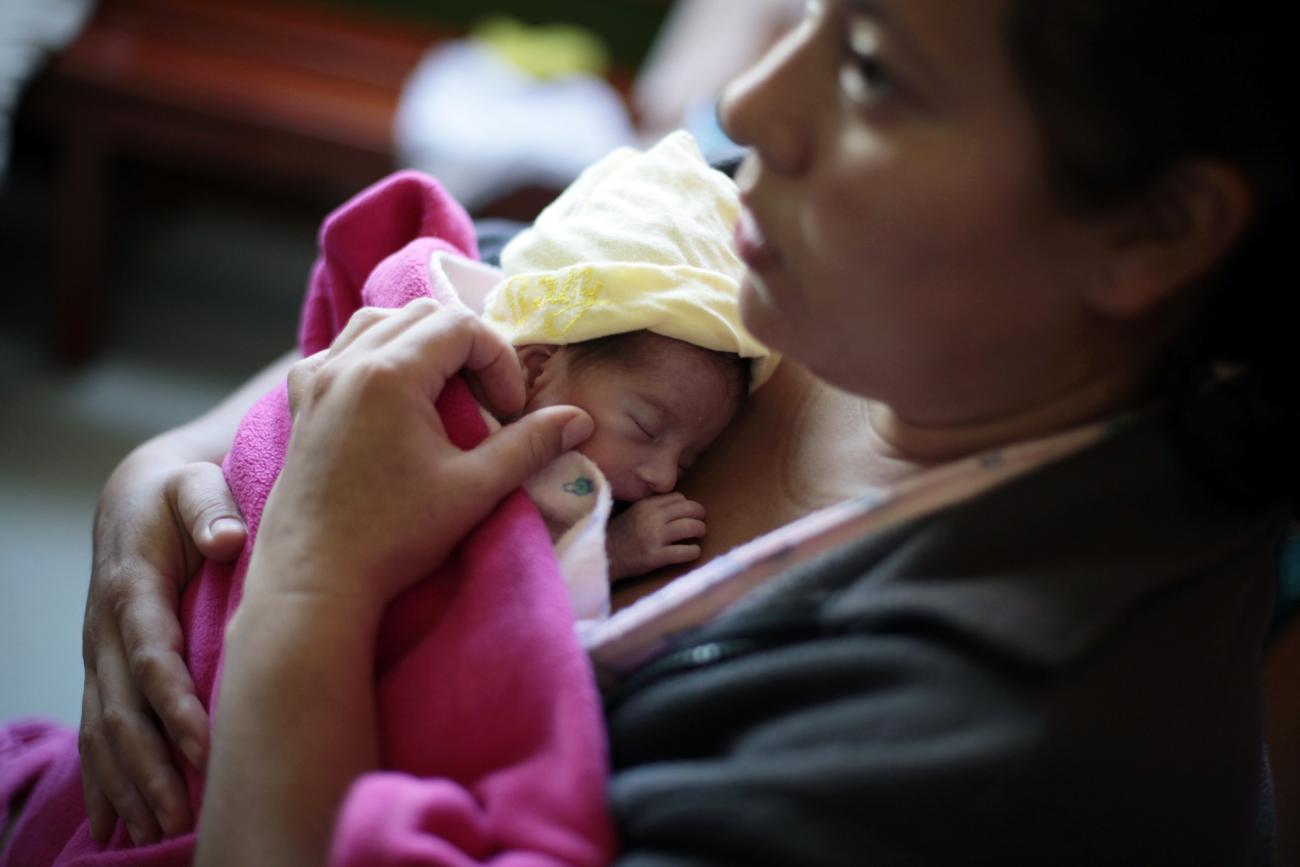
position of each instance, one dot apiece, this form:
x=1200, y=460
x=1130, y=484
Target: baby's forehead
x=695, y=382
x=661, y=360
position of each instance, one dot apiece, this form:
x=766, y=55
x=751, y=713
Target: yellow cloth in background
x=641, y=240
x=546, y=51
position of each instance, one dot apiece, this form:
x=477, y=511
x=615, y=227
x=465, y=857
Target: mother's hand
x=373, y=493
x=159, y=515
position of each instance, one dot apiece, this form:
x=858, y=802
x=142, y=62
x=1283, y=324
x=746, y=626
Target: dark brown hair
x=1125, y=90
x=630, y=349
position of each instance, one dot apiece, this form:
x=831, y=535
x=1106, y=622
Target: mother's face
x=901, y=236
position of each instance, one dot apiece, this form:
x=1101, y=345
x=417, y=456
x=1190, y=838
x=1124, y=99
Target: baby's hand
x=648, y=534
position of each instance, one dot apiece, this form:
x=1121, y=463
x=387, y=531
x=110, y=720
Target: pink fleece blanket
x=491, y=732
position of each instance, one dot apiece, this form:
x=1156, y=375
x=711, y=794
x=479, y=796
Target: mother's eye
x=863, y=75
x=865, y=79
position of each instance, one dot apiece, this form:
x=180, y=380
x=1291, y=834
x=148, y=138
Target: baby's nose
x=661, y=475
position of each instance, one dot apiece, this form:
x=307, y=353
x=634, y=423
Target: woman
x=1045, y=234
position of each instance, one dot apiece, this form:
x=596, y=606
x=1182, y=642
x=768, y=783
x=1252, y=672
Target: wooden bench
x=293, y=98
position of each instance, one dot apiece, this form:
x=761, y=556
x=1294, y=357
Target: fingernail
x=173, y=824
x=190, y=748
x=135, y=834
x=577, y=430
x=225, y=525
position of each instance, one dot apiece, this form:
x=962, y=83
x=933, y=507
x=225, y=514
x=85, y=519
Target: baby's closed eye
x=647, y=430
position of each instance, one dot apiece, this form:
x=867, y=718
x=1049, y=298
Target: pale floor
x=205, y=290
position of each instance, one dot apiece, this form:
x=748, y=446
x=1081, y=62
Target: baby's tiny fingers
x=684, y=528
x=681, y=553
x=684, y=508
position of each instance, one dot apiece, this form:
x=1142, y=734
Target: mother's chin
x=759, y=313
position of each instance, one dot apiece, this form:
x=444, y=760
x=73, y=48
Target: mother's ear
x=1172, y=237
x=538, y=361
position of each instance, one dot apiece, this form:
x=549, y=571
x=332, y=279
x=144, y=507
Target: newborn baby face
x=658, y=403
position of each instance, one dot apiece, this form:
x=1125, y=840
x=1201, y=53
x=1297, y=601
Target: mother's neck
x=924, y=443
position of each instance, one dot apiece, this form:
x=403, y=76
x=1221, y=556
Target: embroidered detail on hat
x=561, y=303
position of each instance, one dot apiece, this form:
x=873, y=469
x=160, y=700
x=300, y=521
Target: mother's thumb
x=522, y=448
x=207, y=509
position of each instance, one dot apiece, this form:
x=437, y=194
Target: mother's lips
x=752, y=245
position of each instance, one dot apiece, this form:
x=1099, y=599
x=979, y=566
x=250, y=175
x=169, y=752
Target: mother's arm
x=156, y=518
x=371, y=495
x=165, y=507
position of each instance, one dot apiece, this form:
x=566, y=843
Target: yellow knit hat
x=641, y=240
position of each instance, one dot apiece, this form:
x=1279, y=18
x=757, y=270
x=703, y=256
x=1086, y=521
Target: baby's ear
x=536, y=361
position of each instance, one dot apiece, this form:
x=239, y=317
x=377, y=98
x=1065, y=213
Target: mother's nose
x=766, y=106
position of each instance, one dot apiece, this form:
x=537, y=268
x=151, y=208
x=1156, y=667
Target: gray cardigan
x=1064, y=670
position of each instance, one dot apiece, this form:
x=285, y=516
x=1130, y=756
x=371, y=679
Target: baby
x=658, y=403
x=621, y=299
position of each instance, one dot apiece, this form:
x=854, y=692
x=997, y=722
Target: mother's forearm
x=294, y=727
